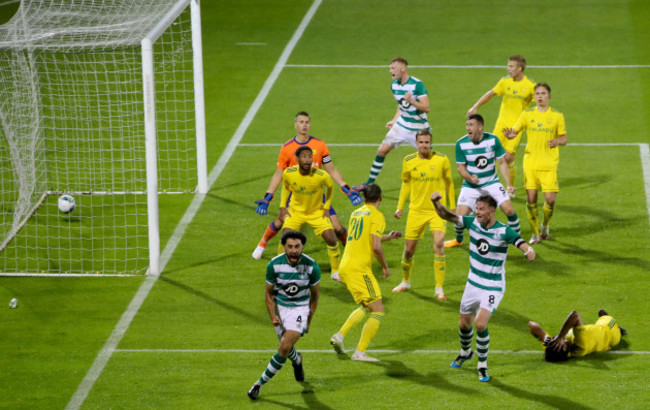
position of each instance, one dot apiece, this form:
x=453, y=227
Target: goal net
x=101, y=100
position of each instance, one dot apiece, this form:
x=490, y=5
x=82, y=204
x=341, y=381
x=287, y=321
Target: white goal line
x=602, y=66
x=330, y=351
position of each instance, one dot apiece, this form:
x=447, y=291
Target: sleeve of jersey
x=405, y=190
x=326, y=153
x=315, y=274
x=460, y=155
x=513, y=237
x=561, y=126
x=378, y=224
x=498, y=89
x=329, y=193
x=270, y=274
x=499, y=151
x=521, y=122
x=451, y=190
x=284, y=158
x=285, y=190
x=420, y=89
x=465, y=221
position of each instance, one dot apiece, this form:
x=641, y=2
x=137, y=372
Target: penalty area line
x=120, y=329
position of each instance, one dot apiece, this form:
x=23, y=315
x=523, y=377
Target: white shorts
x=468, y=196
x=476, y=298
x=399, y=135
x=293, y=318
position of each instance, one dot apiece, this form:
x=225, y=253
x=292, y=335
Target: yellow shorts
x=416, y=222
x=510, y=145
x=547, y=179
x=316, y=220
x=363, y=286
x=613, y=327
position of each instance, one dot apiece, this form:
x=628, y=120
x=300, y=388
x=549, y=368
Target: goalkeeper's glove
x=263, y=204
x=354, y=196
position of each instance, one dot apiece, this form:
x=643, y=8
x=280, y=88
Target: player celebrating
x=307, y=185
x=486, y=280
x=546, y=131
x=287, y=158
x=423, y=173
x=291, y=296
x=476, y=156
x=366, y=233
x=517, y=91
x=411, y=115
x=576, y=339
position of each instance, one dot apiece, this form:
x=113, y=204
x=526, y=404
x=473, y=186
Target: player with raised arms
x=486, y=280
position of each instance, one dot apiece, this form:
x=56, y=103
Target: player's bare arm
x=379, y=254
x=510, y=133
x=462, y=170
x=503, y=166
x=561, y=140
x=313, y=304
x=442, y=211
x=392, y=122
x=483, y=100
x=269, y=299
x=422, y=103
x=528, y=251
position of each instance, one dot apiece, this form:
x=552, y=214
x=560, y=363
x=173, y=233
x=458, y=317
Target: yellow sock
x=531, y=210
x=335, y=257
x=354, y=319
x=439, y=266
x=548, y=213
x=512, y=169
x=407, y=268
x=370, y=330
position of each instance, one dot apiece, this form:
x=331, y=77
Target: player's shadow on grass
x=593, y=181
x=309, y=396
x=599, y=220
x=234, y=309
x=598, y=257
x=546, y=399
x=398, y=370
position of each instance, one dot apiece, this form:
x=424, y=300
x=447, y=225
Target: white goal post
x=101, y=100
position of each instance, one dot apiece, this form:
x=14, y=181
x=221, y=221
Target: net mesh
x=72, y=121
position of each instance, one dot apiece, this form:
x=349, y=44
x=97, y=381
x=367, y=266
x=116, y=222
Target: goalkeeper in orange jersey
x=287, y=158
x=576, y=339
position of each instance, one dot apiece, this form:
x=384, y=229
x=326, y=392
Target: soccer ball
x=66, y=204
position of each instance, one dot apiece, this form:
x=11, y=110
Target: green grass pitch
x=202, y=335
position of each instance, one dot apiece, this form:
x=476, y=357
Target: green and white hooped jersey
x=410, y=117
x=480, y=159
x=292, y=282
x=488, y=249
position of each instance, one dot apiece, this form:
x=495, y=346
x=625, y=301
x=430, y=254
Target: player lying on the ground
x=577, y=339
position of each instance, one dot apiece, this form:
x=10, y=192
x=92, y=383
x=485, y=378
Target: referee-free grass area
x=203, y=336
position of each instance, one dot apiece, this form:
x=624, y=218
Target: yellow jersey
x=541, y=127
x=306, y=191
x=516, y=97
x=599, y=337
x=421, y=178
x=365, y=222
